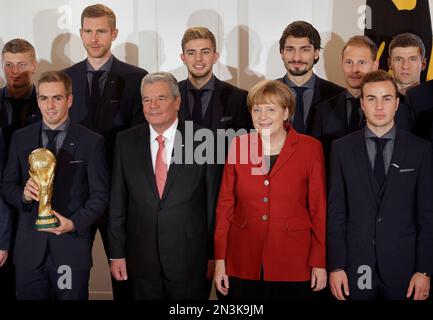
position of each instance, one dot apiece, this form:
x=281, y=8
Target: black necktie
x=298, y=119
x=379, y=163
x=197, y=111
x=51, y=145
x=95, y=92
x=355, y=117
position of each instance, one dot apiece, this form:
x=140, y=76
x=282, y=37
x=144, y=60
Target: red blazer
x=275, y=219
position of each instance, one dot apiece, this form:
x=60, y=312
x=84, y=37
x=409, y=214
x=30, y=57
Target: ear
x=182, y=57
x=389, y=63
x=316, y=54
x=114, y=34
x=216, y=57
x=424, y=64
x=177, y=103
x=70, y=100
x=375, y=65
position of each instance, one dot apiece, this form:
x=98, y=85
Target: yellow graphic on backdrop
x=405, y=4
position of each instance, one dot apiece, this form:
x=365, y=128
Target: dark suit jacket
x=419, y=99
x=80, y=194
x=5, y=212
x=330, y=121
x=120, y=100
x=228, y=103
x=174, y=233
x=323, y=90
x=393, y=233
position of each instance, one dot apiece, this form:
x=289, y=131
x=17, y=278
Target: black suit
x=228, y=106
x=390, y=231
x=330, y=121
x=323, y=90
x=419, y=99
x=80, y=194
x=166, y=239
x=5, y=213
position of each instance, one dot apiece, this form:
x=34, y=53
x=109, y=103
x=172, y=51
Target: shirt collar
x=168, y=134
x=105, y=67
x=210, y=85
x=309, y=84
x=63, y=127
x=389, y=135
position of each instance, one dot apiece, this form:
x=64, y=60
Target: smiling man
x=380, y=213
x=299, y=49
x=106, y=92
x=80, y=196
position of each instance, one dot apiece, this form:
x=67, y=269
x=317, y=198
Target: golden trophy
x=42, y=163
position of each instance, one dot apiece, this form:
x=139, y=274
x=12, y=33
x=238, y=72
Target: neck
x=55, y=126
x=402, y=88
x=354, y=92
x=199, y=82
x=380, y=131
x=300, y=80
x=21, y=92
x=272, y=145
x=97, y=63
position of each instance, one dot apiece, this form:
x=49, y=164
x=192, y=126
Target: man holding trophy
x=57, y=177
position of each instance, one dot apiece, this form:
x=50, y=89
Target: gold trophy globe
x=42, y=164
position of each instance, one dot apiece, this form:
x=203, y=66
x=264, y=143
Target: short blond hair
x=198, y=33
x=99, y=10
x=271, y=91
x=19, y=46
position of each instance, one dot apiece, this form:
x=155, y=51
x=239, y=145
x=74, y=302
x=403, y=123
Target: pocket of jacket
x=295, y=224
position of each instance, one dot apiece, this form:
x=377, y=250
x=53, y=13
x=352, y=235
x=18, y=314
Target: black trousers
x=45, y=282
x=7, y=281
x=121, y=289
x=240, y=289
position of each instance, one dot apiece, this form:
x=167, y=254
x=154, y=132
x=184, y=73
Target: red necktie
x=160, y=166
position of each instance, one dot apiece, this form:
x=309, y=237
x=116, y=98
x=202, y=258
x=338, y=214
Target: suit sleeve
x=317, y=207
x=5, y=212
x=226, y=204
x=12, y=184
x=98, y=181
x=336, y=219
x=137, y=116
x=118, y=205
x=424, y=217
x=212, y=188
x=243, y=118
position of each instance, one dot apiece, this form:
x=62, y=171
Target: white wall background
x=150, y=31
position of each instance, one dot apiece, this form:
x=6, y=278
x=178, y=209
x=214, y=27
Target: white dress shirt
x=169, y=136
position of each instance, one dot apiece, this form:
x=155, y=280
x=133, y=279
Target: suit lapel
x=337, y=118
x=289, y=147
x=217, y=105
x=144, y=153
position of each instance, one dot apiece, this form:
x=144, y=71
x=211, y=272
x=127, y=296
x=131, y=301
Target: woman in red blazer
x=270, y=220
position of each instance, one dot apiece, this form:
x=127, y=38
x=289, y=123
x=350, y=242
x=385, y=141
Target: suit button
x=266, y=182
x=264, y=217
x=379, y=219
x=265, y=200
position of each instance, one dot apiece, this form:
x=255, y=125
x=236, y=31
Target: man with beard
x=18, y=108
x=106, y=92
x=299, y=49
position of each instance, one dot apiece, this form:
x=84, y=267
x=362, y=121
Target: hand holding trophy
x=42, y=164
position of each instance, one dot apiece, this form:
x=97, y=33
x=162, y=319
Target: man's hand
x=118, y=269
x=66, y=225
x=338, y=279
x=420, y=283
x=31, y=191
x=210, y=269
x=3, y=257
x=318, y=278
x=220, y=277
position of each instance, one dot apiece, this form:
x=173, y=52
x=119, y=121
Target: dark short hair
x=56, y=76
x=404, y=40
x=361, y=41
x=271, y=91
x=19, y=46
x=378, y=76
x=198, y=33
x=301, y=29
x=99, y=10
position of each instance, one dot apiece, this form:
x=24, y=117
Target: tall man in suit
x=206, y=100
x=106, y=92
x=380, y=213
x=299, y=49
x=340, y=115
x=80, y=196
x=162, y=205
x=18, y=108
x=406, y=60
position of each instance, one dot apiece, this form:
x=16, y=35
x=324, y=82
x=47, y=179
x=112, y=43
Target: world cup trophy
x=42, y=164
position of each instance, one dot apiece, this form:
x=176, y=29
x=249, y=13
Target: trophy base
x=47, y=222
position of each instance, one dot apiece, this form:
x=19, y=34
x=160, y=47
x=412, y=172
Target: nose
x=297, y=55
x=94, y=37
x=198, y=56
x=15, y=69
x=405, y=64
